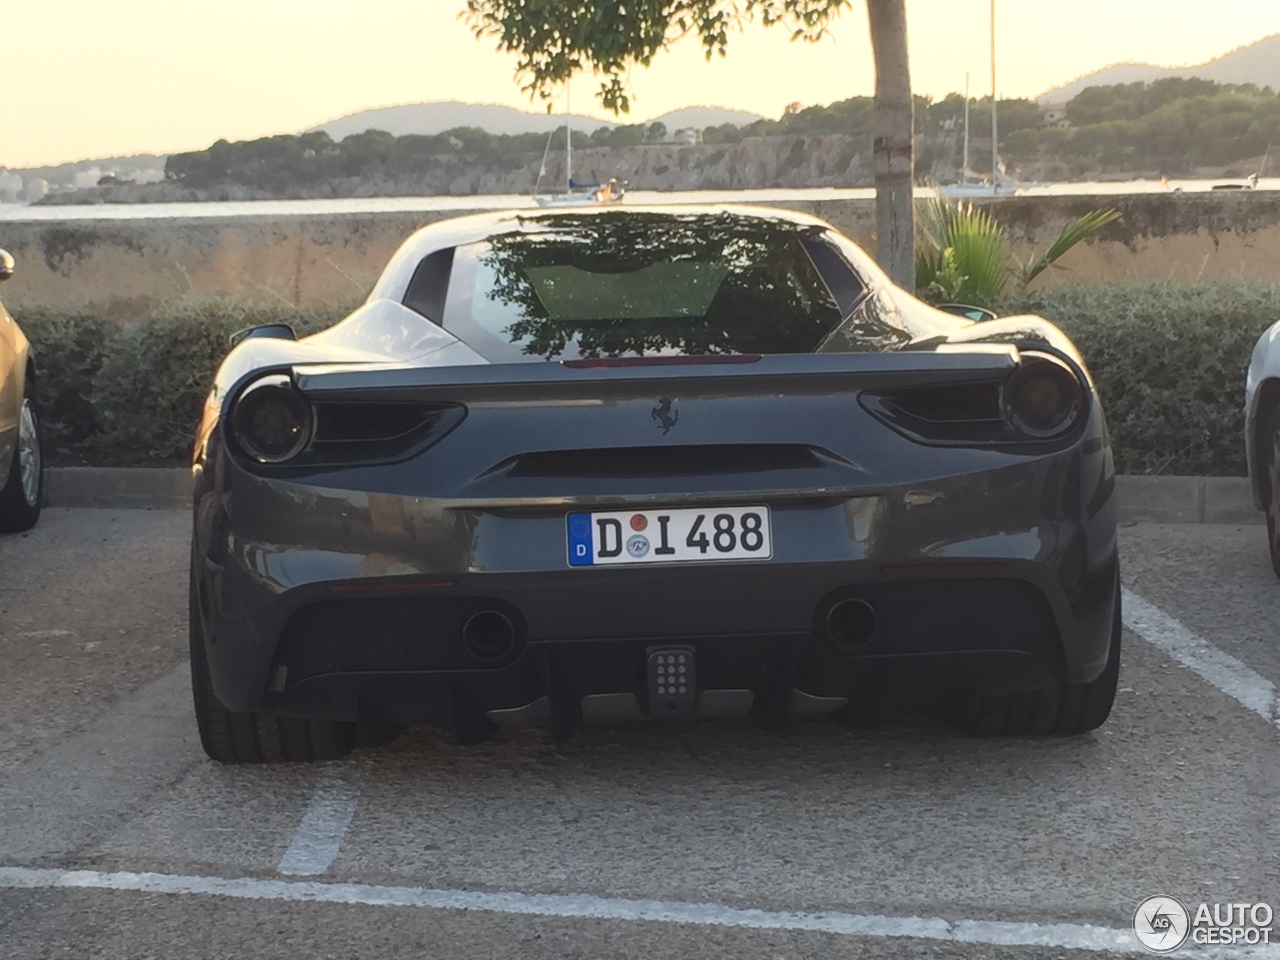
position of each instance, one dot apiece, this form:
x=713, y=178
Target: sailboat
x=575, y=194
x=972, y=184
x=1248, y=183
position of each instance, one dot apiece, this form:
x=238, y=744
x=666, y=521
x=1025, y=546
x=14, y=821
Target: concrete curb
x=1138, y=498
x=1185, y=500
x=148, y=487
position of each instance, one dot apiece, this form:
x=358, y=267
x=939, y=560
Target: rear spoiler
x=542, y=381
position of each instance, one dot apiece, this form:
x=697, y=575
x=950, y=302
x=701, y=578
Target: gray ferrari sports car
x=614, y=464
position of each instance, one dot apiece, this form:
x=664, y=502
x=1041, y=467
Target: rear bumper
x=404, y=660
x=347, y=605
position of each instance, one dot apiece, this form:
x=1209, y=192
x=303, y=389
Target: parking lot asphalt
x=118, y=839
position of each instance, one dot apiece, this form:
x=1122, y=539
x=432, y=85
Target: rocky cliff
x=756, y=162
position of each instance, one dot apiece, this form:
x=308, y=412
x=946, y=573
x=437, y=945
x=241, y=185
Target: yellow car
x=21, y=473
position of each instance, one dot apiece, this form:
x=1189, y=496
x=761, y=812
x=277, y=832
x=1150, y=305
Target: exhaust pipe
x=850, y=623
x=489, y=635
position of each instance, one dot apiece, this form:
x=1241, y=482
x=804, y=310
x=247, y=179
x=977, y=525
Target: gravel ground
x=100, y=770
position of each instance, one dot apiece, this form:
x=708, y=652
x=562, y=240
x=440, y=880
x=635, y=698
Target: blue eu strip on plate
x=581, y=549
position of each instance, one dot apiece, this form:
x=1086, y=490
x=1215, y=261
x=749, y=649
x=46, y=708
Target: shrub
x=130, y=393
x=69, y=349
x=1169, y=362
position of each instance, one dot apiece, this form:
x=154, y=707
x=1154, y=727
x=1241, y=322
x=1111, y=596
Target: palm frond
x=1079, y=229
x=979, y=249
x=932, y=221
x=929, y=267
x=983, y=259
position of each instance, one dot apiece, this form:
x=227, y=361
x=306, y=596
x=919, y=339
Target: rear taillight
x=1043, y=397
x=275, y=424
x=272, y=422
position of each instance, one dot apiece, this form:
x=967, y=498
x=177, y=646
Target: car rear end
x=618, y=538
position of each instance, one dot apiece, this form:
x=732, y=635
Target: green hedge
x=1169, y=361
x=117, y=394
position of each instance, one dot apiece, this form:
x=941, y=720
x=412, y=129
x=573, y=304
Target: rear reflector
x=680, y=360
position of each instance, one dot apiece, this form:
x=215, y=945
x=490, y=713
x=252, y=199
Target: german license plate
x=669, y=536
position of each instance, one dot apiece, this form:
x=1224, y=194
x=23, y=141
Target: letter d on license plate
x=669, y=536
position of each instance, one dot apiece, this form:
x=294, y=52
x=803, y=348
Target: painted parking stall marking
x=318, y=839
x=1061, y=936
x=1250, y=689
x=150, y=738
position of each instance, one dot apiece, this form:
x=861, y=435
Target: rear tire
x=1064, y=710
x=232, y=737
x=22, y=495
x=1273, y=496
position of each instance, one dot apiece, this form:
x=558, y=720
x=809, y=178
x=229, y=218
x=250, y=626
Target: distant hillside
x=1258, y=63
x=432, y=118
x=702, y=117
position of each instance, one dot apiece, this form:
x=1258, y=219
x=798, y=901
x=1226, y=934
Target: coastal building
x=10, y=186
x=84, y=179
x=34, y=188
x=1054, y=115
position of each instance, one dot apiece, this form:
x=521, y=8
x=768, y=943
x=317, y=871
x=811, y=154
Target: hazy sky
x=86, y=79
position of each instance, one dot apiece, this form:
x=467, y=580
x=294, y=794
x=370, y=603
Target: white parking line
x=1061, y=936
x=319, y=836
x=1251, y=690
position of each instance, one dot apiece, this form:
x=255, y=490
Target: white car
x=1262, y=433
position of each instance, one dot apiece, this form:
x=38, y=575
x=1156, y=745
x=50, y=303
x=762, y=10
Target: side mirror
x=977, y=314
x=275, y=331
x=6, y=265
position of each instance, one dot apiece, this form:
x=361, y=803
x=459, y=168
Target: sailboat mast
x=568, y=135
x=546, y=152
x=964, y=167
x=995, y=135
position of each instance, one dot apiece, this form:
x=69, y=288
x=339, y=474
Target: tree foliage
x=554, y=39
x=285, y=162
x=1173, y=125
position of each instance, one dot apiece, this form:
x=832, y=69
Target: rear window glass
x=633, y=284
x=681, y=289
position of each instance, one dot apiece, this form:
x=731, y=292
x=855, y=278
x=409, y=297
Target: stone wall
x=124, y=267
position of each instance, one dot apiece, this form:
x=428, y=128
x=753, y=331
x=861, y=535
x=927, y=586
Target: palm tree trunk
x=893, y=154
